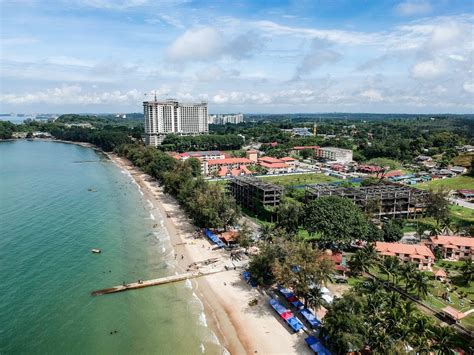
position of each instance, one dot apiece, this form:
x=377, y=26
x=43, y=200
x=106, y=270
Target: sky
x=294, y=56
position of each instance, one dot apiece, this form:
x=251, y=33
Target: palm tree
x=421, y=284
x=314, y=298
x=390, y=266
x=467, y=271
x=363, y=260
x=406, y=272
x=444, y=340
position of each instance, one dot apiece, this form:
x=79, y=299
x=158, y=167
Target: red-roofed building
x=270, y=160
x=467, y=194
x=289, y=160
x=275, y=168
x=213, y=166
x=420, y=255
x=454, y=247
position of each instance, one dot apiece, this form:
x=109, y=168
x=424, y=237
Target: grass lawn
x=299, y=179
x=455, y=183
x=462, y=213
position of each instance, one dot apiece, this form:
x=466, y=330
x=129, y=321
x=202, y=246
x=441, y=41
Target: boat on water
x=96, y=251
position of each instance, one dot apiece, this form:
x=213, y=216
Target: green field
x=455, y=183
x=299, y=179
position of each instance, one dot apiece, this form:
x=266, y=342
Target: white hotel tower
x=171, y=117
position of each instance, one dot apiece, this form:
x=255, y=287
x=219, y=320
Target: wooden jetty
x=155, y=282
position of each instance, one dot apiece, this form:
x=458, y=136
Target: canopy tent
x=316, y=346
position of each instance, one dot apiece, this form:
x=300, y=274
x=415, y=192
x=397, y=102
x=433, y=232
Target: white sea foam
x=203, y=349
x=141, y=192
x=151, y=216
x=150, y=204
x=163, y=249
x=203, y=319
x=188, y=284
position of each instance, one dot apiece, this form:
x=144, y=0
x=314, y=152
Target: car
x=341, y=280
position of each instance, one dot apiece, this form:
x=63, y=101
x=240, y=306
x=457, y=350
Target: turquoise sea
x=49, y=221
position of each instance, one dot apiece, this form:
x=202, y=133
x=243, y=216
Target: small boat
x=96, y=251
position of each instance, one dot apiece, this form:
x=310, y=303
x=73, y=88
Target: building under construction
x=254, y=194
x=384, y=200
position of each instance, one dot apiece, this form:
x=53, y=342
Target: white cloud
x=320, y=54
x=114, y=4
x=166, y=19
x=413, y=7
x=428, y=69
x=195, y=45
x=208, y=43
x=72, y=95
x=372, y=95
x=469, y=87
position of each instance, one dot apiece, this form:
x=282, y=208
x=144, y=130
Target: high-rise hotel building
x=172, y=117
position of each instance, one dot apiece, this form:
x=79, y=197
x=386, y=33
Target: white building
x=172, y=117
x=224, y=119
x=335, y=154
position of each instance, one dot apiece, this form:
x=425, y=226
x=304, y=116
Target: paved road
x=458, y=201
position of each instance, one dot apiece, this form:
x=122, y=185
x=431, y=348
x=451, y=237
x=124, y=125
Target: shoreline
x=239, y=328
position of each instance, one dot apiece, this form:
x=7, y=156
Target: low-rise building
x=335, y=154
x=274, y=165
x=213, y=166
x=420, y=255
x=201, y=155
x=454, y=247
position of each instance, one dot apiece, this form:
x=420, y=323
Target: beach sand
x=242, y=329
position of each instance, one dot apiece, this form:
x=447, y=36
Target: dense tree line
x=202, y=142
x=206, y=204
x=6, y=129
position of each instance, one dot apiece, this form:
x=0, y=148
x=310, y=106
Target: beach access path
x=241, y=328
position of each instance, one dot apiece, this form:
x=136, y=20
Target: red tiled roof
x=269, y=160
x=245, y=170
x=398, y=248
x=274, y=165
x=288, y=159
x=236, y=172
x=454, y=313
x=453, y=241
x=229, y=161
x=440, y=273
x=223, y=171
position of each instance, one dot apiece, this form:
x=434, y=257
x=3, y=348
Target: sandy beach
x=241, y=328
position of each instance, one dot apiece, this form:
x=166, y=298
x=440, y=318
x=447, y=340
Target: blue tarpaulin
x=214, y=238
x=310, y=317
x=292, y=321
x=316, y=346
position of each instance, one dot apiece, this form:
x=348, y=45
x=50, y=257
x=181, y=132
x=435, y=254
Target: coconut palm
x=390, y=266
x=467, y=271
x=421, y=284
x=443, y=340
x=363, y=260
x=406, y=272
x=314, y=298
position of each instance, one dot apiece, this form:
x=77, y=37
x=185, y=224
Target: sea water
x=57, y=202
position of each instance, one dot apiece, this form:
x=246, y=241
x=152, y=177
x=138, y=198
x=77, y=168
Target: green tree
x=392, y=231
x=288, y=216
x=363, y=259
x=444, y=340
x=303, y=268
x=261, y=264
x=467, y=271
x=336, y=219
x=421, y=284
x=437, y=204
x=390, y=265
x=407, y=272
